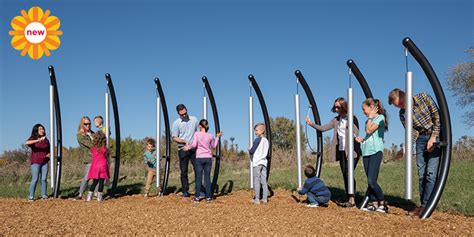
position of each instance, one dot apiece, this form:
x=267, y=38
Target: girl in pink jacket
x=99, y=170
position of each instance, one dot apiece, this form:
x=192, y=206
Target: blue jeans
x=427, y=164
x=84, y=180
x=36, y=170
x=316, y=199
x=372, y=168
x=203, y=164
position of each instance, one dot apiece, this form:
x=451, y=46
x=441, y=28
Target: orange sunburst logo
x=35, y=33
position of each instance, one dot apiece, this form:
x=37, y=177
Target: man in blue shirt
x=182, y=132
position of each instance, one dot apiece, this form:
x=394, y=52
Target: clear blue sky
x=180, y=42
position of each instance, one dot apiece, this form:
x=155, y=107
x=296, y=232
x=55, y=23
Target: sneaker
x=209, y=200
x=145, y=195
x=202, y=195
x=89, y=196
x=100, y=196
x=348, y=205
x=369, y=208
x=312, y=205
x=185, y=194
x=195, y=199
x=382, y=209
x=255, y=201
x=30, y=199
x=78, y=197
x=416, y=211
x=264, y=200
x=44, y=197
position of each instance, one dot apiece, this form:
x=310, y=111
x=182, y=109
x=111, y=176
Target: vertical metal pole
x=350, y=139
x=107, y=119
x=251, y=137
x=204, y=103
x=408, y=134
x=158, y=139
x=298, y=138
x=52, y=139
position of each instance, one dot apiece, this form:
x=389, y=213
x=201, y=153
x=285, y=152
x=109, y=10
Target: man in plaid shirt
x=426, y=126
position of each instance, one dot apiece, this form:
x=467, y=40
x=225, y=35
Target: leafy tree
x=284, y=133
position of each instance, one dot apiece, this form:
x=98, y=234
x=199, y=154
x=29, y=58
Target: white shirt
x=341, y=133
x=260, y=155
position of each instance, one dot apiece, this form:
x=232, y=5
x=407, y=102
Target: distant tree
x=463, y=149
x=284, y=133
x=327, y=149
x=461, y=82
x=232, y=143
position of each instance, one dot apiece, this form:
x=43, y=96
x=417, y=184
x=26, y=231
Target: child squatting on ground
x=316, y=191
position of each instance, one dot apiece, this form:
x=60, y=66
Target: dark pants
x=203, y=164
x=344, y=164
x=184, y=158
x=372, y=168
x=101, y=185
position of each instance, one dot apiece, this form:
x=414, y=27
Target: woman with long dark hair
x=40, y=154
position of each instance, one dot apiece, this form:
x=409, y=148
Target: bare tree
x=461, y=82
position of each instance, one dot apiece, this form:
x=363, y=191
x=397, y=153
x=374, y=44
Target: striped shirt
x=425, y=116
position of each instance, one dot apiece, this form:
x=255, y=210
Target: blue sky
x=180, y=41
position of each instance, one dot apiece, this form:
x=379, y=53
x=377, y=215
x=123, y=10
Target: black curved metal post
x=110, y=86
x=446, y=133
x=266, y=118
x=167, y=155
x=217, y=126
x=368, y=94
x=317, y=120
x=360, y=78
x=59, y=134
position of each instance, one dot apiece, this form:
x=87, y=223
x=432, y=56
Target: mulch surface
x=227, y=215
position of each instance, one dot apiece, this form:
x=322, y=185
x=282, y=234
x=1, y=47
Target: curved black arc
x=317, y=120
x=217, y=126
x=167, y=156
x=363, y=83
x=59, y=132
x=110, y=85
x=368, y=94
x=266, y=118
x=446, y=133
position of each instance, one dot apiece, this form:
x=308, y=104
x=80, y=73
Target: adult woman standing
x=40, y=153
x=84, y=138
x=340, y=142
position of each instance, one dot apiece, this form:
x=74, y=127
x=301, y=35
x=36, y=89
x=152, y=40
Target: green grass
x=458, y=196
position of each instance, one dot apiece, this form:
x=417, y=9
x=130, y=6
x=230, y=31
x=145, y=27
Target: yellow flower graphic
x=36, y=32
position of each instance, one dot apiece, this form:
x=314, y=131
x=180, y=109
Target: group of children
x=203, y=142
